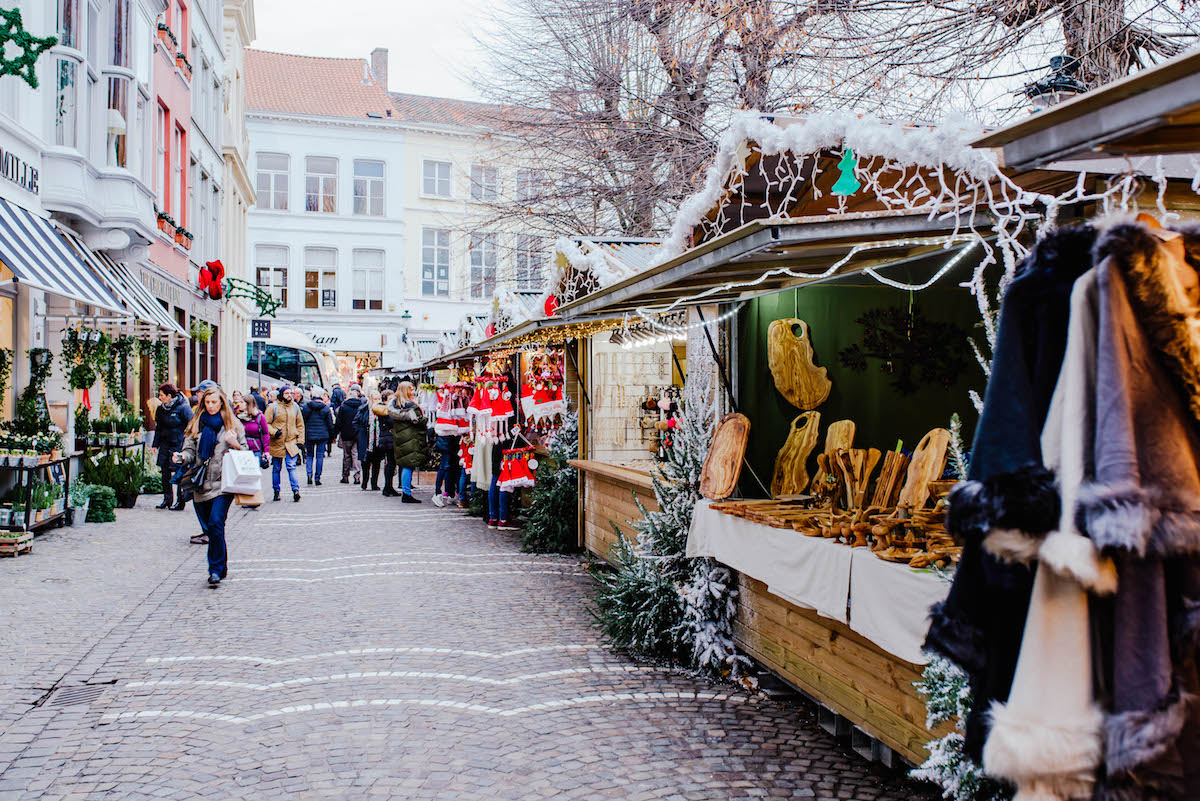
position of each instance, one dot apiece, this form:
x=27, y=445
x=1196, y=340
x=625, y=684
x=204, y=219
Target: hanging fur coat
x=1010, y=500
x=1144, y=508
x=1046, y=740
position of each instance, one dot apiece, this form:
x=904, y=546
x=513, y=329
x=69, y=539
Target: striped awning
x=40, y=257
x=126, y=286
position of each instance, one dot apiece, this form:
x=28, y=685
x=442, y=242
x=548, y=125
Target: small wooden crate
x=14, y=546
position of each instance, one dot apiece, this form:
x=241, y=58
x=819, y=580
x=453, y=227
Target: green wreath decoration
x=12, y=32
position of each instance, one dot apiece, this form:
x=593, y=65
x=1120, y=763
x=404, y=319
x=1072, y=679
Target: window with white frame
x=320, y=184
x=435, y=178
x=200, y=203
x=121, y=40
x=162, y=131
x=368, y=187
x=484, y=256
x=367, y=280
x=485, y=183
x=320, y=278
x=271, y=182
x=529, y=263
x=179, y=179
x=117, y=121
x=68, y=27
x=271, y=271
x=530, y=184
x=435, y=262
x=66, y=118
x=214, y=224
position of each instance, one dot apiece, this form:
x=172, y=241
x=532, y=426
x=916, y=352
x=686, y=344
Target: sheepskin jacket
x=1144, y=508
x=1010, y=496
x=1046, y=740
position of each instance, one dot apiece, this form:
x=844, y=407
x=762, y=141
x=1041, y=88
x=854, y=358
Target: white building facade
x=363, y=228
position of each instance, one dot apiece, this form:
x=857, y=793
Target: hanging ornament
x=551, y=305
x=14, y=37
x=490, y=331
x=847, y=184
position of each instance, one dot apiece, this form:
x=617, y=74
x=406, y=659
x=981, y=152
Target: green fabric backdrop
x=881, y=414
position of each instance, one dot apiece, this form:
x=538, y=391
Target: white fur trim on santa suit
x=1011, y=545
x=1050, y=759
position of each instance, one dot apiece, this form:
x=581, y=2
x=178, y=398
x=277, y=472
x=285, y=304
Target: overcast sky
x=429, y=41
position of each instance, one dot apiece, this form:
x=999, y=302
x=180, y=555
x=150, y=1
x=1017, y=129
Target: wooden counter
x=836, y=666
x=606, y=494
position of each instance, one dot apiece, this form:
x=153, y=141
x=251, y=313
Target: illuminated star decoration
x=14, y=37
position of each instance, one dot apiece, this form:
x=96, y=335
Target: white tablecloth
x=889, y=603
x=885, y=602
x=807, y=571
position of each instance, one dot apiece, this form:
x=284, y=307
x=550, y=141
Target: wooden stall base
x=606, y=493
x=837, y=667
x=13, y=546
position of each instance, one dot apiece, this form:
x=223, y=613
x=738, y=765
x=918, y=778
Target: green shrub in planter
x=102, y=505
x=80, y=492
x=152, y=483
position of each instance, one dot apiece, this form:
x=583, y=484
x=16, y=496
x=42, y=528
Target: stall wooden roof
x=752, y=251
x=1155, y=111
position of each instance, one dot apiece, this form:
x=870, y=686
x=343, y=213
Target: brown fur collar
x=1167, y=302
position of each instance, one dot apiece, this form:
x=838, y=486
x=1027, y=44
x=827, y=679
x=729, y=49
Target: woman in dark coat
x=408, y=435
x=170, y=419
x=318, y=430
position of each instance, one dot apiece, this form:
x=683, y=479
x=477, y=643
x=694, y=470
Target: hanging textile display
x=1073, y=607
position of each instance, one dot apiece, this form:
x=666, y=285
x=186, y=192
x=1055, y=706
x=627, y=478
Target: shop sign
x=19, y=171
x=260, y=329
x=161, y=288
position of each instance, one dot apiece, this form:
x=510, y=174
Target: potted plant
x=5, y=515
x=81, y=496
x=164, y=33
x=187, y=239
x=180, y=234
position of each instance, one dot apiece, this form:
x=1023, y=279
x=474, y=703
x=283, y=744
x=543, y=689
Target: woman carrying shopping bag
x=259, y=440
x=213, y=432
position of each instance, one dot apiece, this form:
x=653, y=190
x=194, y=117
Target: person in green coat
x=408, y=435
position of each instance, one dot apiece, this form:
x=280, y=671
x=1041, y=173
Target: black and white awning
x=132, y=292
x=39, y=256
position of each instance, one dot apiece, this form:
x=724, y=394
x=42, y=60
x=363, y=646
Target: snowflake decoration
x=13, y=36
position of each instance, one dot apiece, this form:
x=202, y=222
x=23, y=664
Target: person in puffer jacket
x=258, y=438
x=408, y=432
x=170, y=419
x=348, y=434
x=318, y=430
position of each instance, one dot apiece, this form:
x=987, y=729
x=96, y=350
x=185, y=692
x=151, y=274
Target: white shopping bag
x=240, y=473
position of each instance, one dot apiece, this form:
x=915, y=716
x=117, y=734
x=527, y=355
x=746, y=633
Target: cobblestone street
x=363, y=649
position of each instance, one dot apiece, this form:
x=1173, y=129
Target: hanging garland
x=160, y=356
x=32, y=417
x=119, y=351
x=27, y=46
x=5, y=370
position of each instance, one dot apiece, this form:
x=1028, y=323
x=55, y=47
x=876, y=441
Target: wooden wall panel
x=838, y=667
x=606, y=497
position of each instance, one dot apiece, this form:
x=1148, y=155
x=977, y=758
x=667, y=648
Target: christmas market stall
x=842, y=276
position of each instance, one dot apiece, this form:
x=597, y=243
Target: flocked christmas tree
x=659, y=602
x=551, y=527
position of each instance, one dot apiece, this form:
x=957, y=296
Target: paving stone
x=361, y=648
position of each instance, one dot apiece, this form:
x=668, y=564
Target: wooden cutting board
x=790, y=357
x=723, y=465
x=928, y=463
x=791, y=464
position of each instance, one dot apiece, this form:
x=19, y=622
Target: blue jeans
x=277, y=463
x=498, y=502
x=464, y=481
x=314, y=457
x=406, y=480
x=211, y=515
x=447, y=474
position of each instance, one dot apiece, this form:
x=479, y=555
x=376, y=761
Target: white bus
x=291, y=357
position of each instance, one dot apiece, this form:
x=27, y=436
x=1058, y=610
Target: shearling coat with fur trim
x=980, y=624
x=1144, y=508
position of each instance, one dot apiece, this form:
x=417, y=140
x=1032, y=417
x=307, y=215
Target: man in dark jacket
x=348, y=434
x=337, y=398
x=259, y=399
x=318, y=430
x=170, y=419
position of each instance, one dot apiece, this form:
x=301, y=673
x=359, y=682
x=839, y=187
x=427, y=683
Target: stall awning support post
x=712, y=346
x=582, y=388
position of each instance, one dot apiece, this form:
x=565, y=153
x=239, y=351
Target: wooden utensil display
x=790, y=357
x=839, y=436
x=887, y=488
x=723, y=465
x=791, y=464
